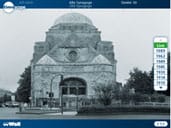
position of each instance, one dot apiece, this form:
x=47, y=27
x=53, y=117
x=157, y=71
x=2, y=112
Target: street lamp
x=61, y=100
x=77, y=98
x=51, y=94
x=30, y=99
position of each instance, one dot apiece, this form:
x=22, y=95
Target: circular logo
x=8, y=7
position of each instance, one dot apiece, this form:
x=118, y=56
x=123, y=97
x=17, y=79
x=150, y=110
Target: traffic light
x=51, y=94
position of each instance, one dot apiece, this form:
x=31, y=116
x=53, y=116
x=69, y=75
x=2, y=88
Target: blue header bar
x=36, y=4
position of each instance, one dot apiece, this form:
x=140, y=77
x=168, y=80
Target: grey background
x=132, y=32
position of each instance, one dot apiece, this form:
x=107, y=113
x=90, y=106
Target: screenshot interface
x=85, y=63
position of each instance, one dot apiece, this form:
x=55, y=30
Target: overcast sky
x=131, y=31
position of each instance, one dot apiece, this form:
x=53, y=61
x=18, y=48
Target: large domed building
x=70, y=62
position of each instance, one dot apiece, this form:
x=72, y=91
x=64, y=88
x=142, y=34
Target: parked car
x=11, y=104
x=2, y=105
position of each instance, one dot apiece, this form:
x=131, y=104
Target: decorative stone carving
x=46, y=60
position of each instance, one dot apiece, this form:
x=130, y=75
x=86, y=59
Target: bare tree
x=105, y=92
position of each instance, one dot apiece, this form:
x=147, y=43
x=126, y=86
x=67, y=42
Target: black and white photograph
x=81, y=64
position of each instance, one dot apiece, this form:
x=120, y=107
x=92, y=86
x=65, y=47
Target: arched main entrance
x=72, y=90
x=73, y=86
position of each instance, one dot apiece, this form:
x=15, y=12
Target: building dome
x=73, y=18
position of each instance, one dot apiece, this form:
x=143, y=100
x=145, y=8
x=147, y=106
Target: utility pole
x=61, y=95
x=77, y=99
x=51, y=94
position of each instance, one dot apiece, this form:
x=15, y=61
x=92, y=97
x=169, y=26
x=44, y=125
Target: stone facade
x=73, y=49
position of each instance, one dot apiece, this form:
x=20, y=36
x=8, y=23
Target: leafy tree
x=105, y=93
x=117, y=90
x=125, y=95
x=141, y=81
x=1, y=99
x=23, y=91
x=137, y=97
x=6, y=98
x=157, y=97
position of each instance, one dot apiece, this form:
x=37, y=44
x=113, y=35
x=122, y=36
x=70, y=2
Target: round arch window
x=73, y=55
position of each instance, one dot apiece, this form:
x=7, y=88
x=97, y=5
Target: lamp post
x=77, y=99
x=30, y=99
x=61, y=101
x=51, y=94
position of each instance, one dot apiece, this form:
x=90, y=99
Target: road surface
x=10, y=113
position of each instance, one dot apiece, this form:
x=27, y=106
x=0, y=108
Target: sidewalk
x=71, y=113
x=46, y=111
